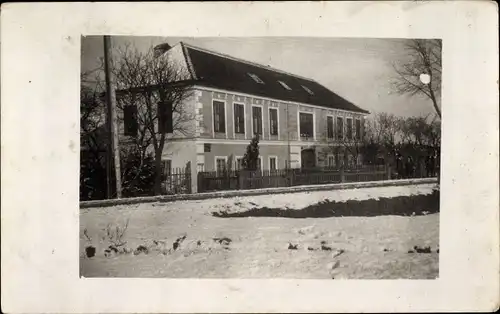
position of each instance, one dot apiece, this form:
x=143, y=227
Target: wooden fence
x=176, y=181
x=261, y=179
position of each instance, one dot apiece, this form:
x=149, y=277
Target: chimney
x=161, y=49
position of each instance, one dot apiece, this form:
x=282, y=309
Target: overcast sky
x=357, y=69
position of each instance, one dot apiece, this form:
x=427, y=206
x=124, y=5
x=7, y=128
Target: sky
x=358, y=69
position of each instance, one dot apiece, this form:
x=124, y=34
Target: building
x=297, y=119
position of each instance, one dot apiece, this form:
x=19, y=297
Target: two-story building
x=295, y=117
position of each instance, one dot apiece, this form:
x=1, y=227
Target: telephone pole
x=113, y=145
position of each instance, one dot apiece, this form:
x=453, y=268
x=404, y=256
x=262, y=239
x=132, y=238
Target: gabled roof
x=212, y=69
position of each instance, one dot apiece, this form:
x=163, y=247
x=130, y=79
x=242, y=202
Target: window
x=239, y=118
x=329, y=127
x=239, y=163
x=331, y=161
x=358, y=129
x=285, y=86
x=273, y=121
x=165, y=123
x=219, y=117
x=349, y=129
x=130, y=120
x=201, y=167
x=257, y=120
x=259, y=163
x=220, y=164
x=256, y=78
x=273, y=163
x=340, y=128
x=306, y=125
x=308, y=90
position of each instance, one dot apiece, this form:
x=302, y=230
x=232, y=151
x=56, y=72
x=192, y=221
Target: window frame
x=216, y=158
x=357, y=136
x=261, y=136
x=337, y=137
x=313, y=123
x=256, y=78
x=277, y=121
x=308, y=90
x=213, y=116
x=333, y=164
x=244, y=118
x=285, y=85
x=333, y=127
x=236, y=163
x=269, y=162
x=349, y=138
x=126, y=126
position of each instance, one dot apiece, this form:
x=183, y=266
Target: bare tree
x=344, y=145
x=92, y=138
x=382, y=133
x=424, y=57
x=147, y=81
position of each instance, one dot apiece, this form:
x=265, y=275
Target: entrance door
x=308, y=157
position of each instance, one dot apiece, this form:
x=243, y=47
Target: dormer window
x=284, y=85
x=256, y=78
x=308, y=90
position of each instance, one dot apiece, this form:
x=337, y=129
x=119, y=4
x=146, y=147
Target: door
x=308, y=157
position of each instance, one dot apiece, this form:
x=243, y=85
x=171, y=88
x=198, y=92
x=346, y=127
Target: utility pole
x=113, y=145
x=288, y=135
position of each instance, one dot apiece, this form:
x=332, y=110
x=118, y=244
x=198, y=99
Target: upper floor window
x=329, y=127
x=306, y=125
x=308, y=90
x=257, y=120
x=130, y=120
x=284, y=85
x=340, y=128
x=256, y=78
x=219, y=117
x=239, y=118
x=358, y=129
x=273, y=121
x=349, y=129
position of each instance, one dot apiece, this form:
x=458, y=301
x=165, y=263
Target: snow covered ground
x=263, y=247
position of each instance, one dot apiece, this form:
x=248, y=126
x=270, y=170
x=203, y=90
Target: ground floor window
x=201, y=167
x=331, y=161
x=239, y=163
x=273, y=163
x=220, y=164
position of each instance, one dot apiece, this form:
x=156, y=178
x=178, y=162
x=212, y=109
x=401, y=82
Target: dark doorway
x=308, y=157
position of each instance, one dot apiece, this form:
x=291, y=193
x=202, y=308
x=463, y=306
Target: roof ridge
x=248, y=62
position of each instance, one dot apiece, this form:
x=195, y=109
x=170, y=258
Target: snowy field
x=185, y=240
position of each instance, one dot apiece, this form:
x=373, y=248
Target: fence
x=177, y=181
x=261, y=179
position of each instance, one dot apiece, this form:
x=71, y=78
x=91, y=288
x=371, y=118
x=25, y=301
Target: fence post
x=388, y=170
x=342, y=175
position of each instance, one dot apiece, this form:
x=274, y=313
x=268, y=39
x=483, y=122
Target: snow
x=372, y=247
